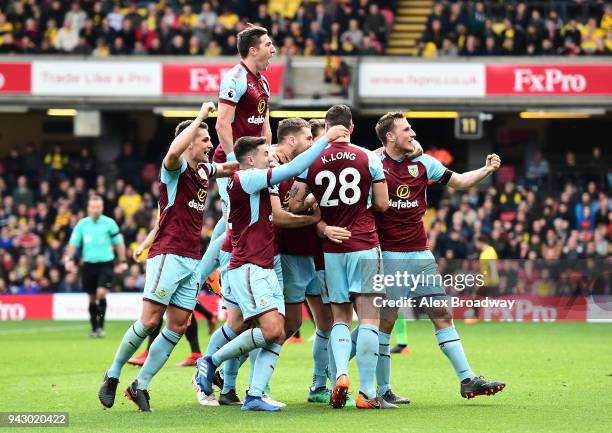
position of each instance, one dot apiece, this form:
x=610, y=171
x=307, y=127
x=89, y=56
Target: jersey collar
x=393, y=159
x=249, y=71
x=342, y=143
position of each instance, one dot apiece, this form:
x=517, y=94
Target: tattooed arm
x=300, y=198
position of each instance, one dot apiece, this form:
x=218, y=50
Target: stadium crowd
x=103, y=28
x=562, y=213
x=488, y=28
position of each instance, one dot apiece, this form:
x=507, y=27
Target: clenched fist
x=493, y=163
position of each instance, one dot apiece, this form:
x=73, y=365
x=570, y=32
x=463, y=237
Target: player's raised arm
x=223, y=125
x=472, y=178
x=305, y=159
x=226, y=169
x=172, y=160
x=267, y=130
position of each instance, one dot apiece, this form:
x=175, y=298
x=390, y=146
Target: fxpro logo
x=256, y=120
x=551, y=80
x=12, y=312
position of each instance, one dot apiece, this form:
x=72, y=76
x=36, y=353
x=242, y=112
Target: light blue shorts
x=300, y=278
x=419, y=275
x=278, y=268
x=222, y=185
x=172, y=280
x=351, y=273
x=256, y=290
x=227, y=297
x=323, y=287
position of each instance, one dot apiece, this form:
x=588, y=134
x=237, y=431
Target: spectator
x=572, y=33
x=67, y=38
x=491, y=48
x=203, y=34
x=177, y=47
x=127, y=34
x=76, y=16
x=130, y=201
x=23, y=194
x=115, y=18
x=470, y=49
x=477, y=19
x=569, y=170
x=102, y=50
x=29, y=287
x=368, y=48
x=537, y=170
x=289, y=48
x=208, y=15
x=54, y=281
x=376, y=22
x=354, y=33
x=133, y=16
x=213, y=49
x=228, y=19
x=70, y=284
x=592, y=37
x=97, y=14
x=324, y=19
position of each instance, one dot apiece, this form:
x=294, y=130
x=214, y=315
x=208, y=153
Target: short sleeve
x=77, y=235
x=168, y=176
x=436, y=171
x=209, y=169
x=113, y=231
x=233, y=87
x=376, y=167
x=254, y=180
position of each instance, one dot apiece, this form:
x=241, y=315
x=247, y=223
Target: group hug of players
x=313, y=217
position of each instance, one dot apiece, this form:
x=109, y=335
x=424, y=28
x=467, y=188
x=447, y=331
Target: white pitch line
x=42, y=329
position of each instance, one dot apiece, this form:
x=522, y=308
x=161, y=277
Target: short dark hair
x=339, y=115
x=248, y=38
x=95, y=197
x=385, y=124
x=184, y=124
x=317, y=126
x=483, y=239
x=246, y=145
x=291, y=126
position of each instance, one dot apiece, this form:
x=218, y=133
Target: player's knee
x=292, y=327
x=149, y=324
x=179, y=328
x=441, y=316
x=273, y=332
x=386, y=324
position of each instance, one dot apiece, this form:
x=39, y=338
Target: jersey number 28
x=346, y=185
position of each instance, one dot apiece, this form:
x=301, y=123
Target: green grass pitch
x=558, y=376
